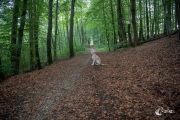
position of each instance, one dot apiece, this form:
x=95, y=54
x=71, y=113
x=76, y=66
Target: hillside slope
x=132, y=84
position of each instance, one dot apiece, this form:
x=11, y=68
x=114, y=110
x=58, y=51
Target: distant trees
x=149, y=19
x=72, y=24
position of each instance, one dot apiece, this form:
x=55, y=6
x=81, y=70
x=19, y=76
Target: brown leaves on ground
x=132, y=84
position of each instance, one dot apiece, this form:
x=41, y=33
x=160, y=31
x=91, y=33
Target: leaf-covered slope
x=132, y=84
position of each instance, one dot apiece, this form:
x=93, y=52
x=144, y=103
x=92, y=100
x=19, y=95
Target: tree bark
x=120, y=21
x=14, y=33
x=49, y=34
x=129, y=35
x=20, y=36
x=141, y=26
x=71, y=30
x=36, y=37
x=147, y=20
x=133, y=6
x=113, y=25
x=56, y=28
x=177, y=2
x=105, y=23
x=31, y=34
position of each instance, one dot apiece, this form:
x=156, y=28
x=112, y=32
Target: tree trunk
x=177, y=2
x=141, y=26
x=31, y=35
x=14, y=33
x=71, y=30
x=120, y=21
x=167, y=16
x=36, y=37
x=133, y=6
x=113, y=25
x=155, y=18
x=129, y=35
x=49, y=34
x=147, y=20
x=2, y=76
x=105, y=23
x=20, y=37
x=56, y=28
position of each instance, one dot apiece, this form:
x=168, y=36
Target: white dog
x=96, y=59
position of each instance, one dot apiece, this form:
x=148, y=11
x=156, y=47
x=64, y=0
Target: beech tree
x=120, y=21
x=177, y=11
x=49, y=34
x=71, y=48
x=133, y=7
x=14, y=33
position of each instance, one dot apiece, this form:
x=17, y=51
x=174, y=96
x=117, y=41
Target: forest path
x=40, y=91
x=132, y=84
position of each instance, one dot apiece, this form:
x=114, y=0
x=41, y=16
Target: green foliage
x=80, y=49
x=64, y=52
x=25, y=58
x=93, y=21
x=101, y=47
x=122, y=44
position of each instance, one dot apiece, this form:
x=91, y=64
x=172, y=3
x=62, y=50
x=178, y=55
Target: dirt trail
x=38, y=92
x=132, y=84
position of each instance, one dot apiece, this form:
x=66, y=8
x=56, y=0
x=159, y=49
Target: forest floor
x=132, y=85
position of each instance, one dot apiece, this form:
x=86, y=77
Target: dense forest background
x=34, y=33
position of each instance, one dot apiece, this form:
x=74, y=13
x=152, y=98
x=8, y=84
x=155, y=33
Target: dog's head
x=92, y=52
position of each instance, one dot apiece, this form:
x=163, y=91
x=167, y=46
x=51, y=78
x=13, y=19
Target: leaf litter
x=132, y=85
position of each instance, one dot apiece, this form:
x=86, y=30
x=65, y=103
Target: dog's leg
x=93, y=62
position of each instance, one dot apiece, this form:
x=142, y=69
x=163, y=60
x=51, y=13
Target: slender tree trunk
x=150, y=20
x=82, y=29
x=113, y=24
x=82, y=33
x=141, y=26
x=120, y=21
x=56, y=28
x=14, y=33
x=67, y=26
x=36, y=37
x=129, y=35
x=31, y=34
x=49, y=34
x=2, y=76
x=105, y=23
x=133, y=6
x=155, y=18
x=20, y=37
x=147, y=20
x=71, y=30
x=169, y=27
x=177, y=2
x=167, y=16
